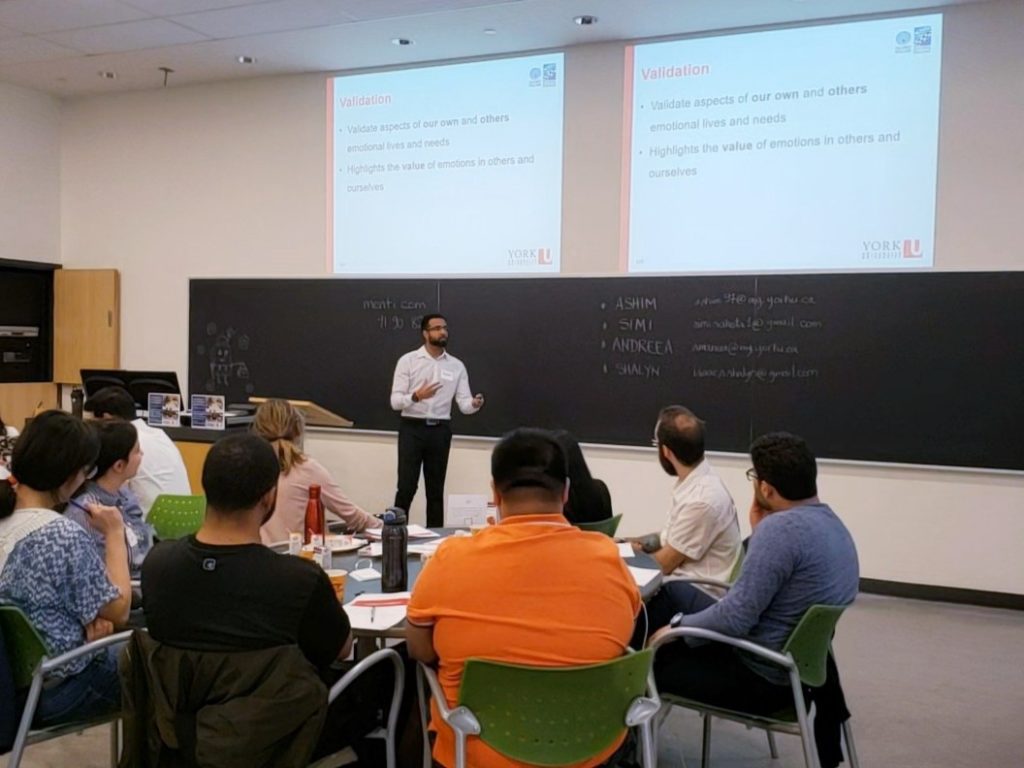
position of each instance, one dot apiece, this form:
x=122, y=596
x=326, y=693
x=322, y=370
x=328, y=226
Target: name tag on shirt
x=447, y=375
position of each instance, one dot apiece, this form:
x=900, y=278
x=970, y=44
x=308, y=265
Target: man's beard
x=666, y=464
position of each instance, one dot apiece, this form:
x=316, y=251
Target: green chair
x=608, y=526
x=175, y=516
x=30, y=664
x=803, y=657
x=548, y=716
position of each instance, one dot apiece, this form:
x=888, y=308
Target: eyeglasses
x=437, y=328
x=752, y=474
x=90, y=472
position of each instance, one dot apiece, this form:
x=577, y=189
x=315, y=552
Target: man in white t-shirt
x=162, y=469
x=701, y=537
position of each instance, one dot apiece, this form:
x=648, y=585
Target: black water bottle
x=77, y=401
x=394, y=540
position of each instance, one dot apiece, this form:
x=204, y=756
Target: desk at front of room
x=194, y=444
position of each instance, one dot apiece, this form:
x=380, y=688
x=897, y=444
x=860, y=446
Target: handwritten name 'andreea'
x=666, y=72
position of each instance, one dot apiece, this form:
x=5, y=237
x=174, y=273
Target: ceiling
x=63, y=47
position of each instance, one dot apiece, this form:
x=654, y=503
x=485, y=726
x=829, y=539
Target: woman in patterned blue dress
x=49, y=566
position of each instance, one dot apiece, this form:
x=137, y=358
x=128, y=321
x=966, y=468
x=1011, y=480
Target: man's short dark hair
x=425, y=322
x=529, y=458
x=117, y=439
x=784, y=461
x=238, y=471
x=682, y=432
x=111, y=401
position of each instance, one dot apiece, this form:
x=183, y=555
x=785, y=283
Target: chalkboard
x=913, y=368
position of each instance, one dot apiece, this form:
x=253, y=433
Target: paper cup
x=307, y=553
x=338, y=578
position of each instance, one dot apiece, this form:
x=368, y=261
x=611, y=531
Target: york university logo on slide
x=527, y=257
x=891, y=250
x=922, y=39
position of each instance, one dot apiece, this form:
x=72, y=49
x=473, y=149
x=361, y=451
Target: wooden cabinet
x=86, y=322
x=19, y=401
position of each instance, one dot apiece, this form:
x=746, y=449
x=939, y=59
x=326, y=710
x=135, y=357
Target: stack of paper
x=643, y=576
x=377, y=611
x=626, y=549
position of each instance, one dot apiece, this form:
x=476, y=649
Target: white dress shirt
x=419, y=367
x=162, y=469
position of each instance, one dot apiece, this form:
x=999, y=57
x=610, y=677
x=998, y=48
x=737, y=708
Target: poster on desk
x=163, y=410
x=207, y=411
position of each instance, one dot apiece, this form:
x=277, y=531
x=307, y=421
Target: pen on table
x=373, y=613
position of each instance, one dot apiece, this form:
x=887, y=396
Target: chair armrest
x=459, y=718
x=48, y=665
x=783, y=660
x=377, y=657
x=724, y=585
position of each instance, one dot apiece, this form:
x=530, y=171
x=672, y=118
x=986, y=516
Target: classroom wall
x=229, y=180
x=29, y=175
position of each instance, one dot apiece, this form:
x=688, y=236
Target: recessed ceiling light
x=585, y=21
x=107, y=75
x=246, y=59
x=490, y=31
x=401, y=41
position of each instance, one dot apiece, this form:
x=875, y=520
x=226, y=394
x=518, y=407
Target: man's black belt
x=425, y=422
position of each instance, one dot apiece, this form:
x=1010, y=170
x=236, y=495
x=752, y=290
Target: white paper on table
x=380, y=607
x=643, y=576
x=427, y=547
x=374, y=549
x=626, y=549
x=419, y=532
x=468, y=509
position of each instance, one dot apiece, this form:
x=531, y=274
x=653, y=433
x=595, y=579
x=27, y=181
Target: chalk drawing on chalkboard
x=226, y=367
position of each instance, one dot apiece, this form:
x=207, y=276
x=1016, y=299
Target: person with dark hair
x=116, y=464
x=530, y=590
x=589, y=500
x=800, y=554
x=250, y=597
x=50, y=568
x=221, y=590
x=162, y=469
x=701, y=537
x=8, y=435
x=425, y=382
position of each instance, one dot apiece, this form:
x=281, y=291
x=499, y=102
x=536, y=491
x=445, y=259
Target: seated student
x=589, y=500
x=8, y=436
x=162, y=469
x=221, y=590
x=117, y=463
x=530, y=590
x=282, y=424
x=701, y=537
x=800, y=554
x=50, y=569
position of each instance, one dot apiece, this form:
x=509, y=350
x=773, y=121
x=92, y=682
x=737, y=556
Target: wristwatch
x=414, y=398
x=676, y=621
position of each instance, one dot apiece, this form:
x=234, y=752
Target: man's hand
x=478, y=401
x=106, y=520
x=98, y=628
x=427, y=391
x=649, y=543
x=757, y=513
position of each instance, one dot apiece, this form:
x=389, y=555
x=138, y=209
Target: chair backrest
x=553, y=715
x=809, y=642
x=608, y=526
x=175, y=516
x=25, y=646
x=737, y=566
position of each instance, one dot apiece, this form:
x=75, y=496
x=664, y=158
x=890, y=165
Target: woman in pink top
x=282, y=424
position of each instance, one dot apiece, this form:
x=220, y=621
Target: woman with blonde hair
x=281, y=423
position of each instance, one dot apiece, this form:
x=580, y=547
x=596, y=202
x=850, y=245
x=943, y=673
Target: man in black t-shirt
x=222, y=590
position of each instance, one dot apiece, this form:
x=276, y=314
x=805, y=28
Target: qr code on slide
x=922, y=38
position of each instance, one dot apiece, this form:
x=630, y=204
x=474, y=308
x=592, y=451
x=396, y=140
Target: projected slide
x=453, y=169
x=796, y=149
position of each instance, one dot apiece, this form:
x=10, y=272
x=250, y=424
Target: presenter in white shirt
x=426, y=381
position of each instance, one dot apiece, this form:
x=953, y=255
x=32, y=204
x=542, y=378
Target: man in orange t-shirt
x=530, y=590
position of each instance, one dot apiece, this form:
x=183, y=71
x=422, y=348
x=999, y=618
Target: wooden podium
x=316, y=415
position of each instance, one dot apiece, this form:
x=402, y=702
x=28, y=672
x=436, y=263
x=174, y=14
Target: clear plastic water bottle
x=395, y=551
